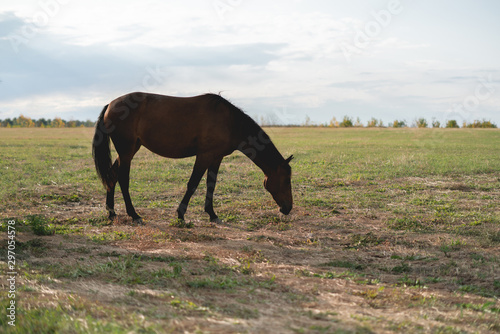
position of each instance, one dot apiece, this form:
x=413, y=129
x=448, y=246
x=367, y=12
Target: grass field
x=393, y=230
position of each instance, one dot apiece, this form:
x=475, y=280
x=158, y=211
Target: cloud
x=9, y=23
x=396, y=43
x=48, y=69
x=265, y=60
x=281, y=56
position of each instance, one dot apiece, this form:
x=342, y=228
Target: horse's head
x=279, y=184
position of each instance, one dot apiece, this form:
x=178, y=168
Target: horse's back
x=175, y=127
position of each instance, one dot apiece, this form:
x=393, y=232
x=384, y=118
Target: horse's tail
x=101, y=151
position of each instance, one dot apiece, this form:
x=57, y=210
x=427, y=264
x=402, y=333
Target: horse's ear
x=289, y=159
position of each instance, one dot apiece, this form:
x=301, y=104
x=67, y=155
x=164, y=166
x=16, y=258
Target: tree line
x=349, y=122
x=423, y=123
x=346, y=122
x=26, y=122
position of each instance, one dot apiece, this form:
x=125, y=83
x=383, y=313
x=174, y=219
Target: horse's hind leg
x=125, y=154
x=124, y=180
x=110, y=195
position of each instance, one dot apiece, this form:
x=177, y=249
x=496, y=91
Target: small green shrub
x=181, y=223
x=41, y=225
x=403, y=268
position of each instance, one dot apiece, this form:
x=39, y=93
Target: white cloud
x=396, y=43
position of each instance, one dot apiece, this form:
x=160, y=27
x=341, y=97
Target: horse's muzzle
x=286, y=209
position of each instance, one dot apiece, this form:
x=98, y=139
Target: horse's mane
x=250, y=125
x=249, y=128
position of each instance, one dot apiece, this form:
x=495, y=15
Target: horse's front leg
x=213, y=170
x=200, y=166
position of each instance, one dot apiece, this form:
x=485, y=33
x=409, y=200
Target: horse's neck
x=258, y=147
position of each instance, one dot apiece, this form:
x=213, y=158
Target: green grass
x=325, y=158
x=385, y=222
x=61, y=319
x=41, y=225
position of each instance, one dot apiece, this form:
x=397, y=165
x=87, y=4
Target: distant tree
x=267, y=121
x=25, y=122
x=375, y=123
x=42, y=123
x=7, y=123
x=334, y=123
x=307, y=122
x=372, y=123
x=358, y=123
x=262, y=120
x=89, y=123
x=421, y=123
x=488, y=124
x=436, y=123
x=399, y=124
x=58, y=123
x=452, y=124
x=346, y=122
x=480, y=124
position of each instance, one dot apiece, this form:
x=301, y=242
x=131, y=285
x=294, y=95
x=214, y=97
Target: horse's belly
x=169, y=146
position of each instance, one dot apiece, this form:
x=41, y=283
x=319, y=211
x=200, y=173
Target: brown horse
x=206, y=126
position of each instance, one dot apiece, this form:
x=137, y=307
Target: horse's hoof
x=138, y=221
x=216, y=220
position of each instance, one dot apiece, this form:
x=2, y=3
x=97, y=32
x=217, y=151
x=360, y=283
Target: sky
x=280, y=61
